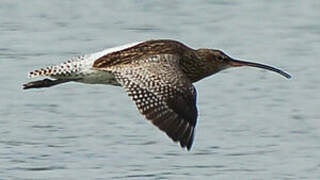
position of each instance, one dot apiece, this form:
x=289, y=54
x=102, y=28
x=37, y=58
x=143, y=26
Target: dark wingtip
x=25, y=86
x=30, y=85
x=189, y=146
x=187, y=140
x=42, y=83
x=36, y=84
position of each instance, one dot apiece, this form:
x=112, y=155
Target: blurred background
x=252, y=124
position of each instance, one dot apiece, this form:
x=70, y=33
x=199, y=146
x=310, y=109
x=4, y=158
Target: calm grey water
x=253, y=124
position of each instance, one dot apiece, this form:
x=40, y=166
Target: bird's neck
x=197, y=65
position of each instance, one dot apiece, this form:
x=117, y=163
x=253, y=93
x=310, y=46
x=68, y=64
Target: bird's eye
x=220, y=58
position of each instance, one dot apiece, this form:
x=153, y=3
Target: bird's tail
x=66, y=69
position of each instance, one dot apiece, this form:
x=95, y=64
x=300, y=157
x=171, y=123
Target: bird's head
x=218, y=60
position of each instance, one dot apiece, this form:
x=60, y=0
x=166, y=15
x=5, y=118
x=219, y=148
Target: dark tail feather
x=43, y=83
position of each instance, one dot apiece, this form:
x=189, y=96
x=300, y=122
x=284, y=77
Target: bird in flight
x=158, y=75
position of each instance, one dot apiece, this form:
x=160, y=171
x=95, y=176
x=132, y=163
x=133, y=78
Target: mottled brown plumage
x=157, y=75
x=191, y=63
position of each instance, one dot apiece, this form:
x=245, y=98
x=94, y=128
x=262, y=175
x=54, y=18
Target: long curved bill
x=236, y=63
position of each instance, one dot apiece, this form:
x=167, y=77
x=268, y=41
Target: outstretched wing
x=163, y=94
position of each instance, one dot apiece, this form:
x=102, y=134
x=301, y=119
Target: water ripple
x=43, y=168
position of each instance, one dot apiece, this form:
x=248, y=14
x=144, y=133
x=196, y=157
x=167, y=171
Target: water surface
x=252, y=124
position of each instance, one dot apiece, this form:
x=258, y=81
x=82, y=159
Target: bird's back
x=79, y=67
x=135, y=53
x=85, y=65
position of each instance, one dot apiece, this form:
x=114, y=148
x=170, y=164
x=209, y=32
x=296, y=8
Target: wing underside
x=163, y=94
